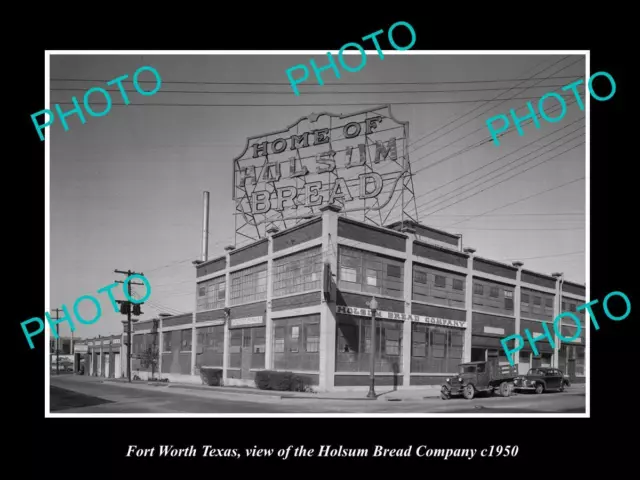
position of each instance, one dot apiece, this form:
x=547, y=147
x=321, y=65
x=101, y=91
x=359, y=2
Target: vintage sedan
x=540, y=380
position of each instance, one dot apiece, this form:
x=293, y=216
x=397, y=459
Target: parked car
x=540, y=380
x=475, y=377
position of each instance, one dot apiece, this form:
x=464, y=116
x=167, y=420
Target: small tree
x=149, y=358
x=150, y=355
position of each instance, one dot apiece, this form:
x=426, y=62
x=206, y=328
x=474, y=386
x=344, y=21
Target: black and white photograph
x=392, y=234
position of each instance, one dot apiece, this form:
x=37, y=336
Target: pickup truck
x=476, y=377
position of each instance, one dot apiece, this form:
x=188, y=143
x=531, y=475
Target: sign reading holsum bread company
x=355, y=161
x=365, y=312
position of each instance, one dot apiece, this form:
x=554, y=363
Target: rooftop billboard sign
x=356, y=161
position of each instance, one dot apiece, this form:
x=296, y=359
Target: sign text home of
x=349, y=160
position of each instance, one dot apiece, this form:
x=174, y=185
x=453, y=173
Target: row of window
x=366, y=272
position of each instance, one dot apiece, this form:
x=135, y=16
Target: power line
x=485, y=111
x=504, y=214
x=299, y=104
x=443, y=199
x=186, y=82
x=544, y=256
x=324, y=92
x=496, y=160
x=508, y=178
x=520, y=200
x=535, y=229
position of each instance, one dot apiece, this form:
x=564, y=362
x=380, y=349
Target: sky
x=126, y=188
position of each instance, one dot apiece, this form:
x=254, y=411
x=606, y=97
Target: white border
x=48, y=53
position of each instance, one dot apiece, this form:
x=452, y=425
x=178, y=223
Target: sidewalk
x=256, y=395
x=383, y=393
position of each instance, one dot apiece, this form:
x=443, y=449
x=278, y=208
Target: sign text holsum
x=353, y=161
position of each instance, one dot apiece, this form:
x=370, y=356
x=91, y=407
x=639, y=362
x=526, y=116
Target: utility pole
x=57, y=310
x=128, y=273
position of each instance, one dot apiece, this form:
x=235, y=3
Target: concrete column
x=557, y=310
x=161, y=341
x=328, y=309
x=194, y=337
x=268, y=354
x=227, y=305
x=468, y=303
x=408, y=295
x=517, y=298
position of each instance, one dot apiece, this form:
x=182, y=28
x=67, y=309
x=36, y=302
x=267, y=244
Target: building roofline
x=223, y=257
x=297, y=226
x=413, y=224
x=374, y=227
x=442, y=247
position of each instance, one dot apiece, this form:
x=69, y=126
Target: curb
x=176, y=388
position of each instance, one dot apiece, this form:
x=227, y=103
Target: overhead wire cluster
x=459, y=194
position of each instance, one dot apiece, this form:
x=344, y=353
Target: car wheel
x=539, y=388
x=469, y=392
x=505, y=389
x=444, y=393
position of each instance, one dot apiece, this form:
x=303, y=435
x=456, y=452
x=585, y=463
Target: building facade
x=298, y=301
x=101, y=357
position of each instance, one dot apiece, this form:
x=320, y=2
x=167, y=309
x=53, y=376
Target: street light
x=373, y=305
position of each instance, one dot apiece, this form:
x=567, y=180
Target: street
x=72, y=394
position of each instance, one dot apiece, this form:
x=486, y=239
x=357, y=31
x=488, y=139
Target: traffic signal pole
x=128, y=273
x=57, y=310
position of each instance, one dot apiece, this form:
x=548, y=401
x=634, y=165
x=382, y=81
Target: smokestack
x=205, y=227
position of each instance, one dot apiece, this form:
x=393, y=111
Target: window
x=354, y=345
x=494, y=292
x=368, y=272
x=435, y=349
x=392, y=342
x=166, y=341
x=372, y=277
x=481, y=368
x=537, y=300
x=211, y=294
x=440, y=281
x=312, y=338
x=249, y=285
x=564, y=306
x=508, y=300
x=525, y=299
x=348, y=274
x=394, y=271
x=420, y=277
x=279, y=333
x=296, y=343
x=580, y=361
x=300, y=272
x=548, y=302
x=185, y=340
x=259, y=342
x=478, y=289
x=457, y=284
x=573, y=307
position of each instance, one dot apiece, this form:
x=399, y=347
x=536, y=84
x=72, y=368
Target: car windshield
x=467, y=369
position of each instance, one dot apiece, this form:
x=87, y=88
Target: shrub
x=282, y=381
x=211, y=376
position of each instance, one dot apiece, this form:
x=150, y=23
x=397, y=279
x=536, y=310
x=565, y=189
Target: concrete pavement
x=78, y=394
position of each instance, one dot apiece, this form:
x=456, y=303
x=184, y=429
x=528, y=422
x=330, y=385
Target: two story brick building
x=298, y=301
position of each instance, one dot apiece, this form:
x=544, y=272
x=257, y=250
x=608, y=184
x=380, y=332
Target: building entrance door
x=245, y=364
x=107, y=365
x=116, y=365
